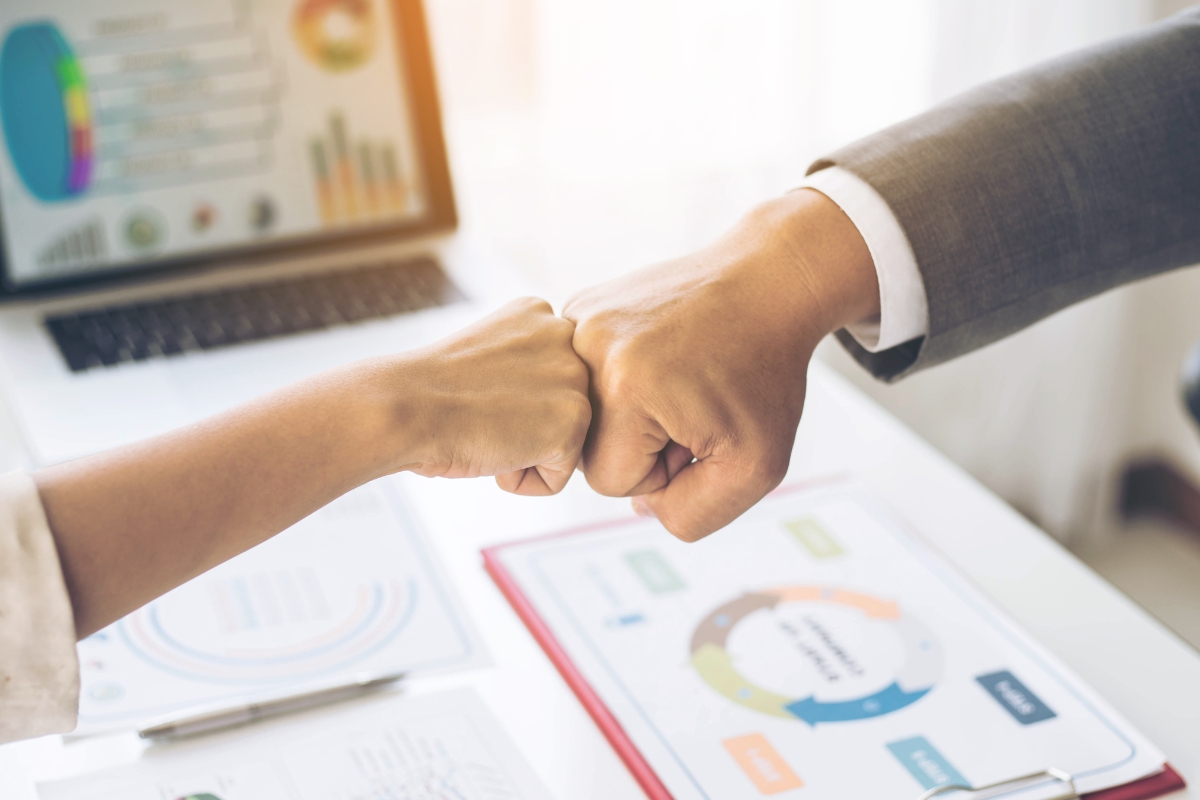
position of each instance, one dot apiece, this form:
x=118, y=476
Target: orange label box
x=762, y=764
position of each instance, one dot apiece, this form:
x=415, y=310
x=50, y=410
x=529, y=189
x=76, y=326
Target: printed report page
x=444, y=746
x=815, y=647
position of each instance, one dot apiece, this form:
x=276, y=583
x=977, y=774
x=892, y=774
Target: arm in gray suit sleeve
x=1041, y=189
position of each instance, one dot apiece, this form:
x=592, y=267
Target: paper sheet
x=352, y=589
x=816, y=649
x=443, y=746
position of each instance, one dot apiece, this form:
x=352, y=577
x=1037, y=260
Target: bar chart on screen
x=355, y=180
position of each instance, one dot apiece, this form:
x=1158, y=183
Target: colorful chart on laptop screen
x=46, y=112
x=211, y=119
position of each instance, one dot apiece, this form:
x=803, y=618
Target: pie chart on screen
x=46, y=115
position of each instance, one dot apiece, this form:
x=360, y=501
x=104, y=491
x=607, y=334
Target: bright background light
x=590, y=138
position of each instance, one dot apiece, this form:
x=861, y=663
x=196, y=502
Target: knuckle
x=765, y=461
x=576, y=307
x=757, y=477
x=562, y=336
x=604, y=482
x=779, y=463
x=580, y=411
x=571, y=426
x=684, y=529
x=556, y=484
x=619, y=376
x=603, y=485
x=509, y=481
x=532, y=305
x=582, y=334
x=590, y=335
x=577, y=376
x=564, y=327
x=769, y=470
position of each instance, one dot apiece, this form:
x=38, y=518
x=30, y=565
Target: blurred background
x=592, y=138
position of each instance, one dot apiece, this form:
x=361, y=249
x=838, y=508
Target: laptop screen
x=140, y=132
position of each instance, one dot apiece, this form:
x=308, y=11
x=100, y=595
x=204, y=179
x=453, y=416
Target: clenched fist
x=506, y=396
x=698, y=365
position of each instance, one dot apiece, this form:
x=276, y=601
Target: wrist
x=385, y=421
x=825, y=258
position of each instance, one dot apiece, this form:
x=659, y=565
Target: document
x=814, y=648
x=353, y=589
x=444, y=746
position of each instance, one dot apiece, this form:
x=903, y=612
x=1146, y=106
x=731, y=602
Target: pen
x=227, y=716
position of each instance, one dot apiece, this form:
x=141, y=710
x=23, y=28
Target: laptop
x=203, y=200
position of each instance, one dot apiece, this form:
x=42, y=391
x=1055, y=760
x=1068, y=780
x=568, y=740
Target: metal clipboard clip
x=1025, y=781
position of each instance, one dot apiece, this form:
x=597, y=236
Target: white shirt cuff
x=39, y=669
x=903, y=308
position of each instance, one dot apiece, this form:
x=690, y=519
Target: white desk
x=1140, y=667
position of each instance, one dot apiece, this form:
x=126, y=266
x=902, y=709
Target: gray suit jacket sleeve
x=1043, y=188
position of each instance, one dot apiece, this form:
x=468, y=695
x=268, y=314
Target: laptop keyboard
x=101, y=337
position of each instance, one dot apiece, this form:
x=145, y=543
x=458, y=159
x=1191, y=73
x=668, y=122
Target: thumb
x=541, y=480
x=707, y=495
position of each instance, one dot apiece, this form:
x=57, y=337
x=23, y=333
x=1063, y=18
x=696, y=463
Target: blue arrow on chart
x=885, y=701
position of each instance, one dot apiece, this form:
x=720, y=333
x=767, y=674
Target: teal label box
x=925, y=763
x=1016, y=698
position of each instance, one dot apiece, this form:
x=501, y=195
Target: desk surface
x=1143, y=669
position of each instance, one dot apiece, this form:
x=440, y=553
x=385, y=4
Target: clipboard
x=1152, y=786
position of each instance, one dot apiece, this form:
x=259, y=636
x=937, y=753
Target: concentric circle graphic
x=377, y=613
x=45, y=111
x=921, y=669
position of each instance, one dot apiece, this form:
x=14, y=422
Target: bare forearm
x=504, y=397
x=135, y=522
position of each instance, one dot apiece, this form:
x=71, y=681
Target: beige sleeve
x=39, y=670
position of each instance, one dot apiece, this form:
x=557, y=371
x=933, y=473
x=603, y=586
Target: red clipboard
x=1146, y=788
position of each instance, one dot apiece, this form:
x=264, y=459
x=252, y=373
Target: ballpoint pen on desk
x=218, y=718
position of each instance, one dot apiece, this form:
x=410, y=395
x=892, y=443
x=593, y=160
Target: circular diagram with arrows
x=819, y=654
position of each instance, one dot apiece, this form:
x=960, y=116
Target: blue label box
x=1015, y=697
x=925, y=763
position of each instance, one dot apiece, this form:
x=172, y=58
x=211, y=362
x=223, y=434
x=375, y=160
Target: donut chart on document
x=372, y=618
x=45, y=111
x=920, y=672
